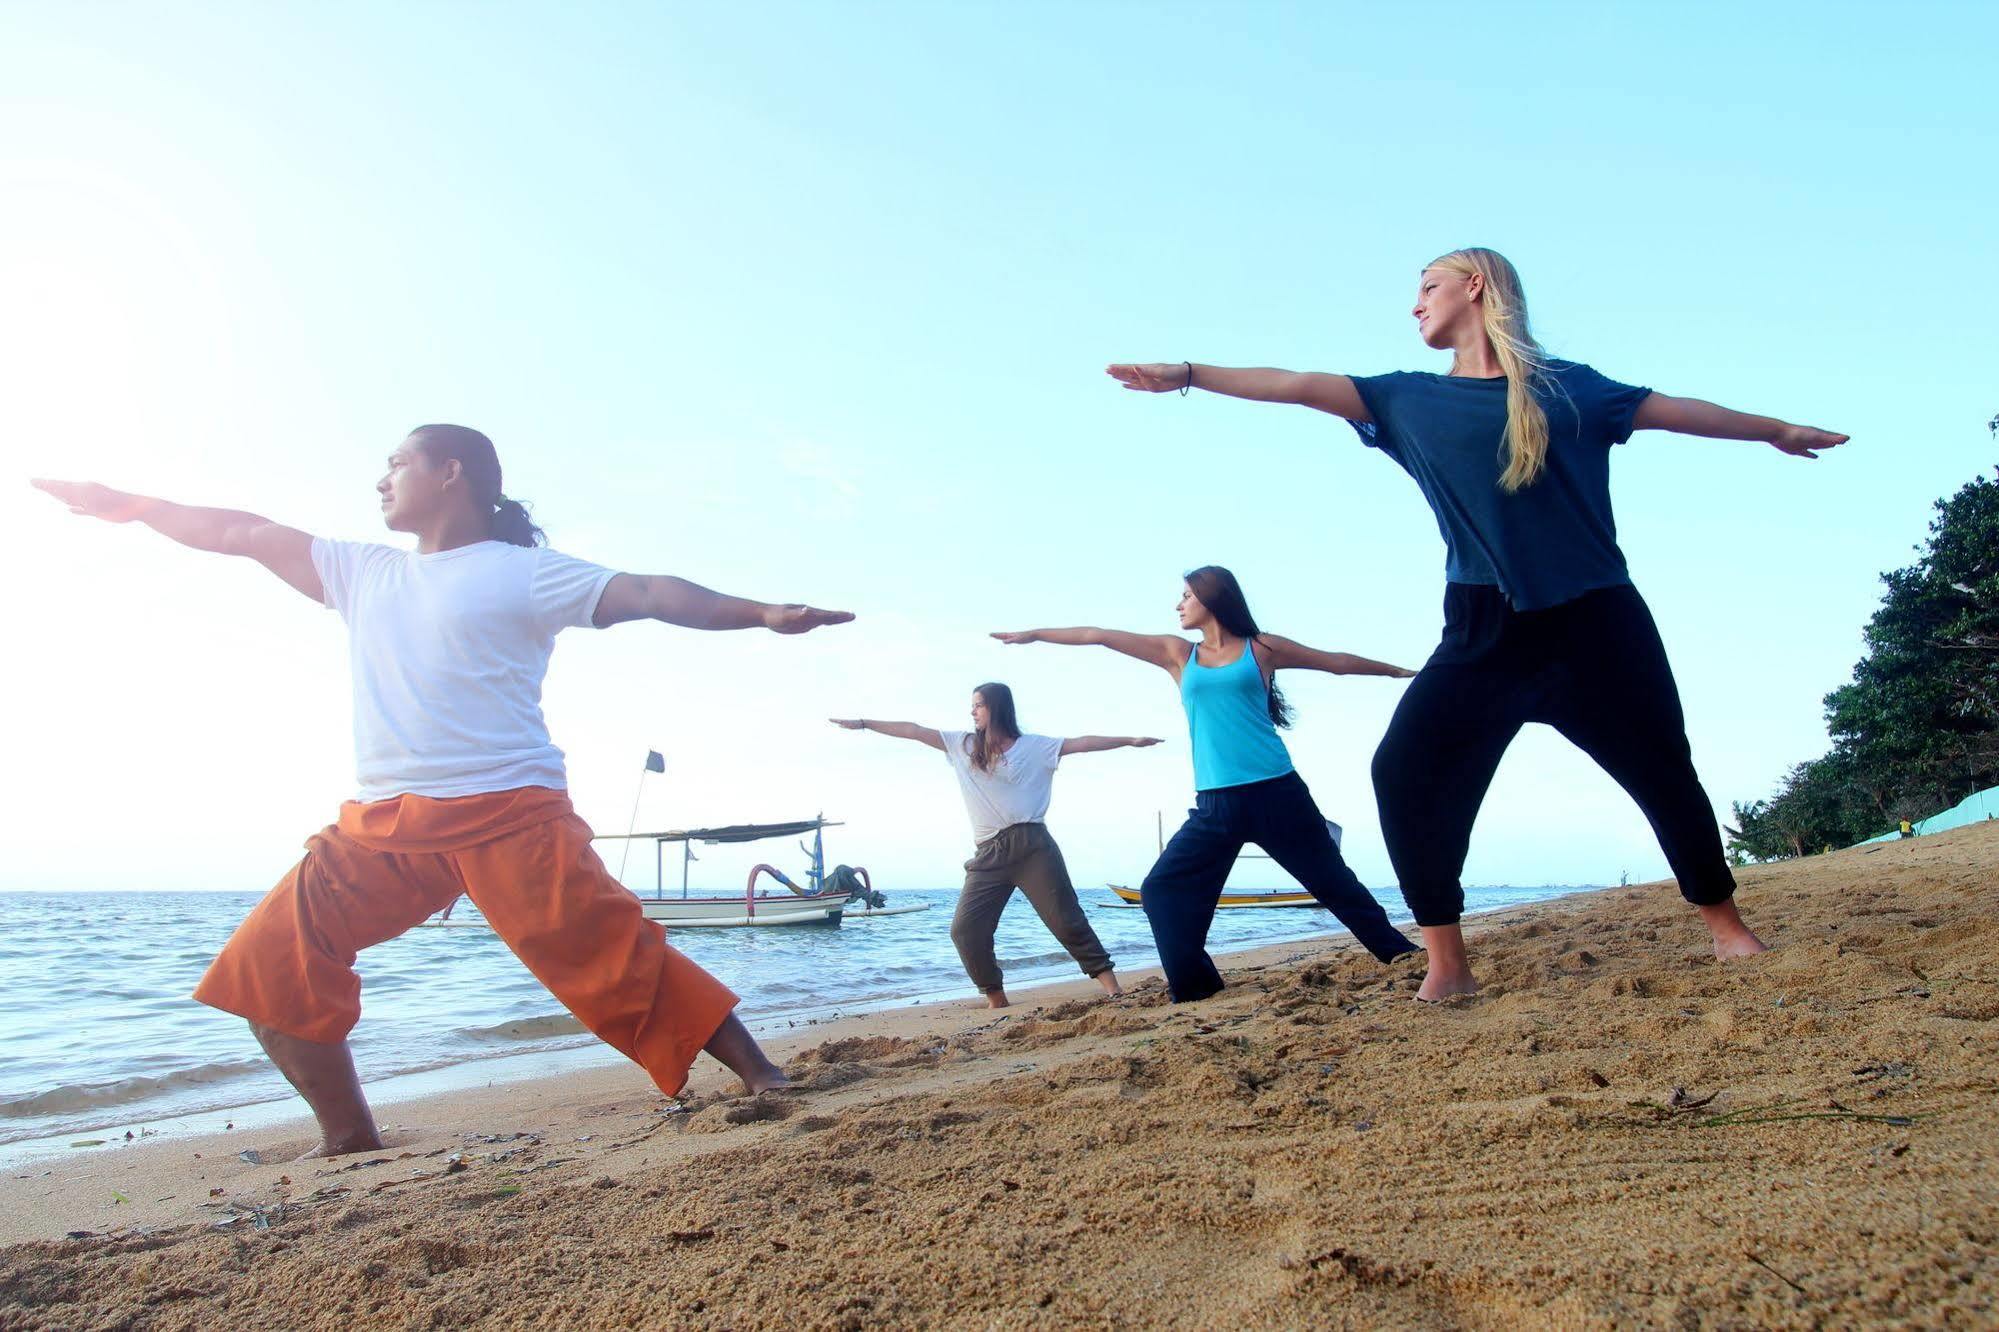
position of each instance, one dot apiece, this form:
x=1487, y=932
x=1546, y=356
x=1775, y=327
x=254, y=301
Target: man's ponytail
x=512, y=524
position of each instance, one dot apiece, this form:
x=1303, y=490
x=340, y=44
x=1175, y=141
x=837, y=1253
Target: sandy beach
x=1619, y=1130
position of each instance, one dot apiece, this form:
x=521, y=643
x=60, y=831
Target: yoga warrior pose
x=461, y=790
x=1007, y=779
x=1541, y=622
x=1246, y=788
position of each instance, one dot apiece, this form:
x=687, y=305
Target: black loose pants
x=1592, y=668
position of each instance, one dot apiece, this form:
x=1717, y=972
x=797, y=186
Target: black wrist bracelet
x=1190, y=378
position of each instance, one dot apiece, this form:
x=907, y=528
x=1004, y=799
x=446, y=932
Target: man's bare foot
x=996, y=999
x=770, y=1079
x=741, y=1055
x=1107, y=980
x=371, y=1143
x=1732, y=937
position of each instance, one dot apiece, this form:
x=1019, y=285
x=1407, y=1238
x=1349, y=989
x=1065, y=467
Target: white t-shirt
x=448, y=653
x=1015, y=791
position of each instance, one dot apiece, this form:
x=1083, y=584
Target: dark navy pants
x=1592, y=668
x=1278, y=815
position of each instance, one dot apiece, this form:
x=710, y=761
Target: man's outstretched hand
x=90, y=500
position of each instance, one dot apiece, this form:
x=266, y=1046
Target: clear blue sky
x=811, y=302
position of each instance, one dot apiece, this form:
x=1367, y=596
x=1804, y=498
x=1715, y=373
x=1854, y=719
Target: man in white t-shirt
x=461, y=790
x=1007, y=779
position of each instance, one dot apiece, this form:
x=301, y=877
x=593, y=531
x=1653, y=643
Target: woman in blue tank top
x=1246, y=788
x=1541, y=622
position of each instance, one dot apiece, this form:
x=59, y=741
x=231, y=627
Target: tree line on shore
x=1917, y=728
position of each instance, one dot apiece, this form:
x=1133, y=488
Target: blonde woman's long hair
x=1504, y=308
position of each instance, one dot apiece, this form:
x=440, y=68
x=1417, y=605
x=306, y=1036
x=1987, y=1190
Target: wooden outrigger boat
x=824, y=899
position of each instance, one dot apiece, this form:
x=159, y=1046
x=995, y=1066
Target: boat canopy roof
x=735, y=832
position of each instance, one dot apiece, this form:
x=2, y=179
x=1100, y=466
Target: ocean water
x=98, y=1035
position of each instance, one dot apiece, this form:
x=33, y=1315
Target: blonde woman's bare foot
x=1439, y=985
x=1732, y=937
x=1107, y=981
x=1449, y=974
x=997, y=999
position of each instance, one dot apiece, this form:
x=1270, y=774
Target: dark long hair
x=509, y=519
x=1218, y=590
x=999, y=717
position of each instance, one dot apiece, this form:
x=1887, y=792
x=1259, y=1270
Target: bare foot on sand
x=997, y=999
x=1732, y=938
x=1449, y=974
x=771, y=1078
x=1440, y=985
x=346, y=1147
x=1108, y=980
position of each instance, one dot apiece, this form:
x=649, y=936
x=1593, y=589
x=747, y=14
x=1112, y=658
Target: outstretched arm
x=676, y=601
x=1285, y=652
x=1306, y=388
x=1090, y=744
x=1162, y=650
x=285, y=551
x=900, y=730
x=1691, y=416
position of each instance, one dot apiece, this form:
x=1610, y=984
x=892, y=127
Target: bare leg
x=996, y=999
x=1108, y=979
x=1732, y=938
x=735, y=1047
x=324, y=1075
x=1449, y=972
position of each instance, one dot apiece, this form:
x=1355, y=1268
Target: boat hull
x=1231, y=901
x=715, y=913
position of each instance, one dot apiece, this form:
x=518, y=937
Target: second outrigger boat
x=1270, y=897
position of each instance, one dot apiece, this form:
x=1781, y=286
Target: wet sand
x=1619, y=1130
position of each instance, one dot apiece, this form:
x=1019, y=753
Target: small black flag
x=655, y=761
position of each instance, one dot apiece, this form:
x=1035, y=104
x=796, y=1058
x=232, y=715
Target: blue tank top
x=1228, y=723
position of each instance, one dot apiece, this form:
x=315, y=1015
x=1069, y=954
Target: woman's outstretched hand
x=849, y=723
x=797, y=619
x=1144, y=741
x=1805, y=441
x=1018, y=636
x=90, y=500
x=1154, y=378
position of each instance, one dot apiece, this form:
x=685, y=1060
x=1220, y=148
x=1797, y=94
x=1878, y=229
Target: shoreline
x=1617, y=1130
x=426, y=1101
x=781, y=1031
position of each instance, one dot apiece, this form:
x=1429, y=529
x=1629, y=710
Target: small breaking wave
x=123, y=1091
x=522, y=1029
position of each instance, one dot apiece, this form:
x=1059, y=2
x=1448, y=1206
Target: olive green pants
x=1023, y=856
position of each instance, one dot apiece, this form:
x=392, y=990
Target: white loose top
x=1018, y=788
x=448, y=652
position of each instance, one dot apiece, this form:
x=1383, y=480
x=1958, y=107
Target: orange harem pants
x=524, y=859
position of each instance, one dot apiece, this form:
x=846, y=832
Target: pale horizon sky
x=812, y=303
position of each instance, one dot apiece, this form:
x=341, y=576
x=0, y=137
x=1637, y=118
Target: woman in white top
x=461, y=790
x=1007, y=779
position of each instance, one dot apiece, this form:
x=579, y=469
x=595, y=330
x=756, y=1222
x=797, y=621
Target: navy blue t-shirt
x=1544, y=544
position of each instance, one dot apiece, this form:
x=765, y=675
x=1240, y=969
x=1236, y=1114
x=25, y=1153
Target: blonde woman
x=1541, y=623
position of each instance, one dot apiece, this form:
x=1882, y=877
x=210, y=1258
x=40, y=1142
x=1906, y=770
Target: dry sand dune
x=1618, y=1131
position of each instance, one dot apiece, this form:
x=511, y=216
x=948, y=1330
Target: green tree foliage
x=1917, y=729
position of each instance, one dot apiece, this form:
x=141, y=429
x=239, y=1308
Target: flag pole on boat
x=655, y=762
